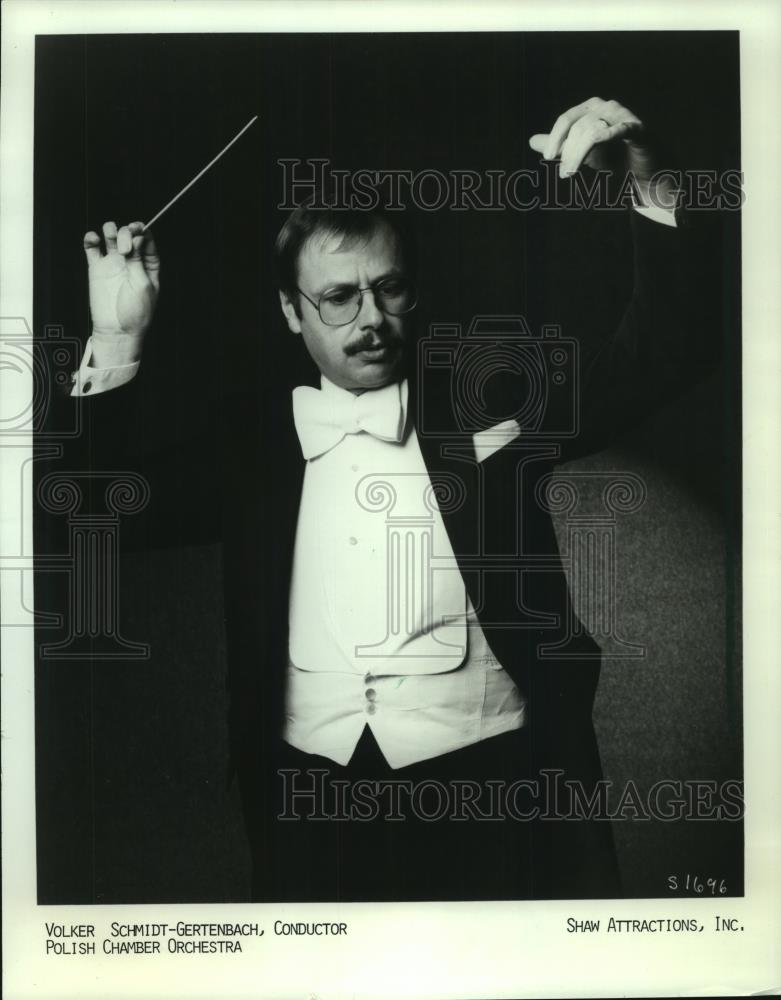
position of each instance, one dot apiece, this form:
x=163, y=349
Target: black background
x=130, y=794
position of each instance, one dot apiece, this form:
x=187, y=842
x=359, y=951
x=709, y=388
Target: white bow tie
x=323, y=417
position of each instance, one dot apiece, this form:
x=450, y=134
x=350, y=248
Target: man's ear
x=289, y=310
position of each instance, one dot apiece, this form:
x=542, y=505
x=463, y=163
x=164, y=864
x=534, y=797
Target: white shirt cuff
x=656, y=213
x=490, y=441
x=88, y=381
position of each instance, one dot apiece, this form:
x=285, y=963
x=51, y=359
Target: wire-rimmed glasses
x=340, y=305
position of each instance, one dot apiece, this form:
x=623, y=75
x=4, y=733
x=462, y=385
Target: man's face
x=368, y=352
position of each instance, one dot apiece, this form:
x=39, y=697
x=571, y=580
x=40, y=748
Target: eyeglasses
x=340, y=305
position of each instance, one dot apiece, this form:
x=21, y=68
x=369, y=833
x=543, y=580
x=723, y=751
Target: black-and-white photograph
x=387, y=482
x=389, y=551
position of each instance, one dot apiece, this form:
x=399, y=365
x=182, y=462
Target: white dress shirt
x=382, y=632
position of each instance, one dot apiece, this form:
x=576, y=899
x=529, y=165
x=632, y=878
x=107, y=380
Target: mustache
x=369, y=342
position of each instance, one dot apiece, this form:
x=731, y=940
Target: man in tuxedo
x=355, y=656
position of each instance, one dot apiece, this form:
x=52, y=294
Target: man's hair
x=324, y=218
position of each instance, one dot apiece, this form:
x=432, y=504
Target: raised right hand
x=124, y=282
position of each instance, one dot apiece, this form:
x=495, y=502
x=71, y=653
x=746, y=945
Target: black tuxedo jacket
x=250, y=498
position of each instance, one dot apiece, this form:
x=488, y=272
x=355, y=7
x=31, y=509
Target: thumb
x=538, y=142
x=135, y=260
x=143, y=263
x=151, y=258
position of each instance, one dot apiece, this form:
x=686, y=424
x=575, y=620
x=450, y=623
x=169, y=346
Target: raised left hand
x=584, y=133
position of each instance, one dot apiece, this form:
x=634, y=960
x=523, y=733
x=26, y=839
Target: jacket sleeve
x=670, y=336
x=182, y=477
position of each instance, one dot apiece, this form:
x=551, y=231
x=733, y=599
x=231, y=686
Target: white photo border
x=433, y=950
